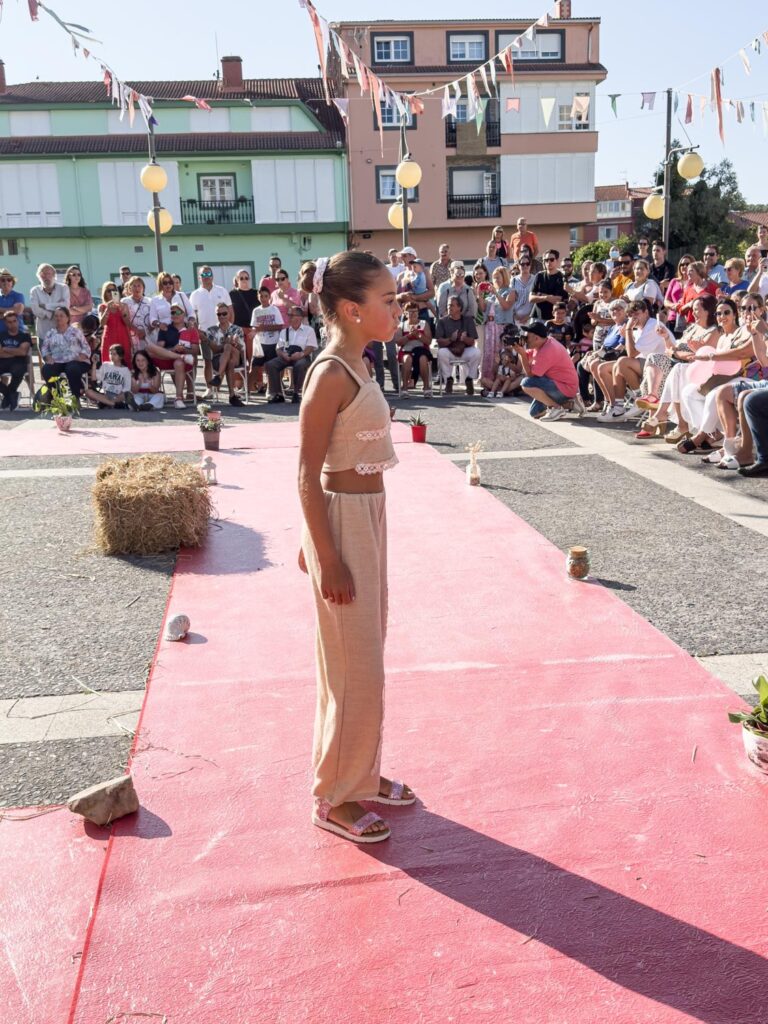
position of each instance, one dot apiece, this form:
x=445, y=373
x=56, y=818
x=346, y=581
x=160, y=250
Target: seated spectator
x=560, y=327
x=114, y=383
x=611, y=348
x=46, y=298
x=15, y=345
x=457, y=287
x=223, y=351
x=113, y=317
x=549, y=286
x=508, y=376
x=643, y=335
x=414, y=337
x=65, y=352
x=734, y=270
x=456, y=336
x=754, y=411
x=645, y=287
x=622, y=275
x=579, y=347
x=146, y=384
x=10, y=300
x=549, y=375
x=267, y=322
x=80, y=299
x=175, y=349
x=600, y=313
x=92, y=334
x=586, y=289
x=294, y=349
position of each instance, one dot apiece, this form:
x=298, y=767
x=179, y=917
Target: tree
x=699, y=212
x=598, y=251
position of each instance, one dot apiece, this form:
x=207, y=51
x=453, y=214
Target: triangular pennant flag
x=376, y=103
x=341, y=46
x=416, y=105
x=320, y=42
x=689, y=109
x=752, y=112
x=484, y=77
x=745, y=61
x=718, y=94
x=361, y=72
x=456, y=86
x=492, y=66
x=547, y=106
x=473, y=94
x=580, y=108
x=702, y=105
x=765, y=37
x=482, y=103
x=343, y=108
x=86, y=53
x=739, y=112
x=649, y=99
x=200, y=104
x=513, y=103
x=543, y=21
x=765, y=118
x=756, y=45
x=146, y=108
x=517, y=42
x=449, y=104
x=613, y=97
x=132, y=97
x=507, y=61
x=529, y=33
x=33, y=10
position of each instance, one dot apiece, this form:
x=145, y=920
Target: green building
x=263, y=172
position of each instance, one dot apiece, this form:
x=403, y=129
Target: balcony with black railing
x=474, y=207
x=492, y=132
x=217, y=211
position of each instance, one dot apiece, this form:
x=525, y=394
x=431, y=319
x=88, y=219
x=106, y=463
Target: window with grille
x=217, y=188
x=467, y=47
x=392, y=49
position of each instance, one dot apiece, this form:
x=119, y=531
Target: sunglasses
x=686, y=264
x=245, y=277
x=168, y=280
x=524, y=263
x=550, y=259
x=749, y=309
x=6, y=278
x=724, y=312
x=177, y=312
x=282, y=277
x=626, y=263
x=222, y=314
x=710, y=254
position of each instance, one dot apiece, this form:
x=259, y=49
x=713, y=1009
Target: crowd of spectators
x=680, y=349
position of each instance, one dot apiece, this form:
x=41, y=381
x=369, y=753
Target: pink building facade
x=520, y=163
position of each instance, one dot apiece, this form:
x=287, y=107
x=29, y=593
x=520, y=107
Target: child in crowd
x=508, y=374
x=600, y=314
x=145, y=384
x=585, y=343
x=560, y=327
x=114, y=382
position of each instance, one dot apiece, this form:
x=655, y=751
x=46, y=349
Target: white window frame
x=534, y=49
x=607, y=232
x=391, y=41
x=462, y=110
x=566, y=123
x=220, y=179
x=390, y=116
x=390, y=195
x=465, y=40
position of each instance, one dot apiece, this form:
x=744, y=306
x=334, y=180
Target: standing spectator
x=175, y=349
x=394, y=266
x=752, y=269
x=224, y=350
x=480, y=281
x=441, y=268
x=244, y=298
x=177, y=284
x=160, y=304
x=571, y=279
x=45, y=298
x=137, y=313
x=456, y=336
x=498, y=313
x=662, y=270
x=206, y=300
x=734, y=268
x=14, y=358
x=698, y=284
x=501, y=245
x=537, y=265
x=643, y=247
x=270, y=280
x=762, y=239
x=10, y=300
x=415, y=285
x=146, y=384
x=80, y=299
x=456, y=287
x=622, y=275
x=112, y=321
x=549, y=285
x=266, y=322
x=676, y=321
x=523, y=236
x=491, y=261
x=125, y=275
x=522, y=284
x=65, y=351
x=285, y=297
x=550, y=376
x=715, y=271
x=294, y=348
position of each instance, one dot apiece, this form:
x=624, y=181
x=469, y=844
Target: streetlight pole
x=155, y=201
x=667, y=172
x=404, y=155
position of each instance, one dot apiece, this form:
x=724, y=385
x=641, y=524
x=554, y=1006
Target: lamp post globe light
x=154, y=179
x=396, y=217
x=653, y=207
x=159, y=217
x=689, y=166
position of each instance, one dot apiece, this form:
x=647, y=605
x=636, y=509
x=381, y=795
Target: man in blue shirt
x=9, y=299
x=14, y=354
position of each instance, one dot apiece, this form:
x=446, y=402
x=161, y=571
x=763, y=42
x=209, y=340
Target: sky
x=645, y=47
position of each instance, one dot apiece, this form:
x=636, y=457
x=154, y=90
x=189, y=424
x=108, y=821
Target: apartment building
x=264, y=171
x=617, y=209
x=517, y=164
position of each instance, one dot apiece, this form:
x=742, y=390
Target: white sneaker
x=728, y=462
x=616, y=414
x=179, y=404
x=578, y=405
x=555, y=412
x=634, y=412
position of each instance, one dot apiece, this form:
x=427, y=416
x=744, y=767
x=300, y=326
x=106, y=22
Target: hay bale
x=149, y=504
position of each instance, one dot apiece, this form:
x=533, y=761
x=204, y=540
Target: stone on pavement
x=107, y=801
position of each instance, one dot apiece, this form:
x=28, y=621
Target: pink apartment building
x=518, y=164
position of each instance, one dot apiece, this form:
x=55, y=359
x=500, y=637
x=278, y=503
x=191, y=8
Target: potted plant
x=56, y=399
x=209, y=421
x=418, y=429
x=754, y=726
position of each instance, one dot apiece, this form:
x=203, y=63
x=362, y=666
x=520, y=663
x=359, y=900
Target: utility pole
x=404, y=191
x=667, y=172
x=155, y=202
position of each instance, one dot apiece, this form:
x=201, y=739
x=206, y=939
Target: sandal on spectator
x=397, y=797
x=644, y=435
x=687, y=446
x=714, y=458
x=676, y=435
x=649, y=402
x=356, y=832
x=729, y=462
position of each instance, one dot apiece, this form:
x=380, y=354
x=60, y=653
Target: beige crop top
x=361, y=437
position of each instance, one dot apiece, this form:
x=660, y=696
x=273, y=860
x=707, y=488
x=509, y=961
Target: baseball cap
x=408, y=251
x=537, y=327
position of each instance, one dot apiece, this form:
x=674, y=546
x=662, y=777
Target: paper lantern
x=166, y=220
x=408, y=174
x=690, y=165
x=653, y=207
x=153, y=178
x=395, y=216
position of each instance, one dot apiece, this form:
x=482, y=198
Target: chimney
x=3, y=86
x=232, y=73
x=563, y=9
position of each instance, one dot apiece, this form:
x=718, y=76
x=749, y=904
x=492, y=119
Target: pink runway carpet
x=587, y=847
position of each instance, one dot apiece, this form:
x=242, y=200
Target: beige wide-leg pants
x=349, y=648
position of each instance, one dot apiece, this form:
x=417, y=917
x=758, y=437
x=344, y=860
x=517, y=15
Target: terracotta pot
x=63, y=423
x=211, y=439
x=756, y=747
x=419, y=434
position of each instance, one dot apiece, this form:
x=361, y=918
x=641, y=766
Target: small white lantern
x=166, y=220
x=208, y=469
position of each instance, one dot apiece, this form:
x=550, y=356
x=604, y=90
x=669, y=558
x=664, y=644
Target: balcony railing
x=471, y=207
x=492, y=132
x=217, y=211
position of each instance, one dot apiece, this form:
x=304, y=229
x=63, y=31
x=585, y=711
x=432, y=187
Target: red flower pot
x=419, y=433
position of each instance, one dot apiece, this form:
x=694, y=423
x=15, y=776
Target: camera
x=510, y=335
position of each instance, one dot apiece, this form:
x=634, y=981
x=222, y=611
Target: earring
x=357, y=319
